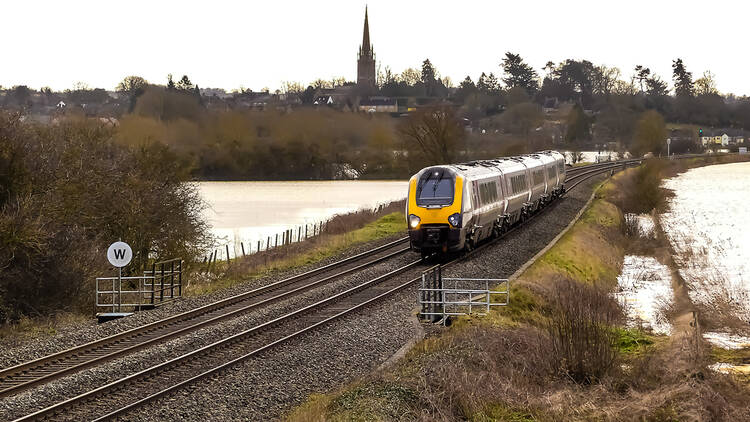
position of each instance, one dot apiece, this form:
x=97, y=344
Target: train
x=451, y=208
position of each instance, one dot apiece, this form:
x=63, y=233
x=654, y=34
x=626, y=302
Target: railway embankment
x=36, y=338
x=563, y=349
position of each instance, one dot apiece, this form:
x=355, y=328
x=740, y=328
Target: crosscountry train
x=453, y=207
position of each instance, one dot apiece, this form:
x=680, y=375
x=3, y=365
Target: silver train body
x=453, y=207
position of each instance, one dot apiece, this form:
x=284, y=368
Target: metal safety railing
x=441, y=297
x=162, y=283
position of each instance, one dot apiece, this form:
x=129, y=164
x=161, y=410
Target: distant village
x=478, y=104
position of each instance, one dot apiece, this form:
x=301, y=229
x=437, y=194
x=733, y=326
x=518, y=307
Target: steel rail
x=25, y=372
x=162, y=367
x=200, y=323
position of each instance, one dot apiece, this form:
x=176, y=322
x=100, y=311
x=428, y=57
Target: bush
x=640, y=189
x=68, y=191
x=581, y=322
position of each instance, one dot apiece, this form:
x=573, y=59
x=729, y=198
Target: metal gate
x=162, y=283
x=441, y=297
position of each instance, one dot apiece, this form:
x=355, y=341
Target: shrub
x=68, y=191
x=580, y=323
x=640, y=189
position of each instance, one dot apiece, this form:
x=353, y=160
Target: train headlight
x=455, y=220
x=414, y=221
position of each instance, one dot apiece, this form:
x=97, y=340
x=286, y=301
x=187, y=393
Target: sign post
x=669, y=141
x=119, y=255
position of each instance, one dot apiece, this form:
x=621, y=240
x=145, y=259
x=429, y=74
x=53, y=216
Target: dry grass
x=31, y=328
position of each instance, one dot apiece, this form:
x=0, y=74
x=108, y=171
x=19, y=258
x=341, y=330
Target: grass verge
x=311, y=251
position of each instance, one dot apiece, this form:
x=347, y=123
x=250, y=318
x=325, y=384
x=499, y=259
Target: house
x=339, y=97
x=723, y=137
x=378, y=105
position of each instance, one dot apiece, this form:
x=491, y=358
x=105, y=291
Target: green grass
x=588, y=253
x=320, y=248
x=370, y=401
x=733, y=356
x=502, y=412
x=633, y=342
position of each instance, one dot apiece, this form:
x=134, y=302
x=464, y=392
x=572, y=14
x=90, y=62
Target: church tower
x=366, y=60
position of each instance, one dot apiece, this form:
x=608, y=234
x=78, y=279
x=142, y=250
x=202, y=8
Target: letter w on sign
x=119, y=253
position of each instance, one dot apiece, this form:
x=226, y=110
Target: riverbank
x=509, y=364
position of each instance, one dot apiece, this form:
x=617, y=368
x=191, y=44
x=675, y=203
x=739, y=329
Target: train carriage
x=453, y=207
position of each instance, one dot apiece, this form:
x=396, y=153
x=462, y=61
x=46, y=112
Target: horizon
x=301, y=42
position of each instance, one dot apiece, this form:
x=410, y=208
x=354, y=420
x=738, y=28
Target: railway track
x=27, y=375
x=138, y=389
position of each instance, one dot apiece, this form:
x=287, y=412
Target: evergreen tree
x=465, y=89
x=578, y=125
x=482, y=83
x=197, y=94
x=519, y=74
x=170, y=83
x=641, y=75
x=683, y=80
x=493, y=86
x=184, y=84
x=428, y=77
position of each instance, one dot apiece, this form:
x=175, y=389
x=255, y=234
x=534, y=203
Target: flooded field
x=707, y=224
x=250, y=211
x=645, y=292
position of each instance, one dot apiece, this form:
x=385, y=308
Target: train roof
x=501, y=164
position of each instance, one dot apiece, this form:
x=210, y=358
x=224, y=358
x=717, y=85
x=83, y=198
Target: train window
x=518, y=183
x=488, y=192
x=538, y=178
x=551, y=173
x=435, y=187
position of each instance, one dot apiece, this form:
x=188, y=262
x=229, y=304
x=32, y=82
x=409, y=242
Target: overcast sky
x=256, y=44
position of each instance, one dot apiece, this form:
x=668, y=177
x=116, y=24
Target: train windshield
x=435, y=188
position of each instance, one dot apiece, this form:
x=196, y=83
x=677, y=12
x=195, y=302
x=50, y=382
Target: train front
x=433, y=210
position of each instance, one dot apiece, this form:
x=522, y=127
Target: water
x=251, y=211
x=591, y=156
x=645, y=293
x=707, y=224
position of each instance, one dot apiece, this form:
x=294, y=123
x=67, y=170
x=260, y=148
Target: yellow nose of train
x=434, y=210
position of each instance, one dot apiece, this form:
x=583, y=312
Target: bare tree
x=435, y=133
x=410, y=76
x=131, y=84
x=706, y=84
x=604, y=79
x=291, y=87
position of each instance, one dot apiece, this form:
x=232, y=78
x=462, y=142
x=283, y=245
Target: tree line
x=572, y=104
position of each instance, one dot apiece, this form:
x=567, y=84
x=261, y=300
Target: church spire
x=366, y=60
x=366, y=47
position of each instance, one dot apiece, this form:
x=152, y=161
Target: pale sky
x=256, y=44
